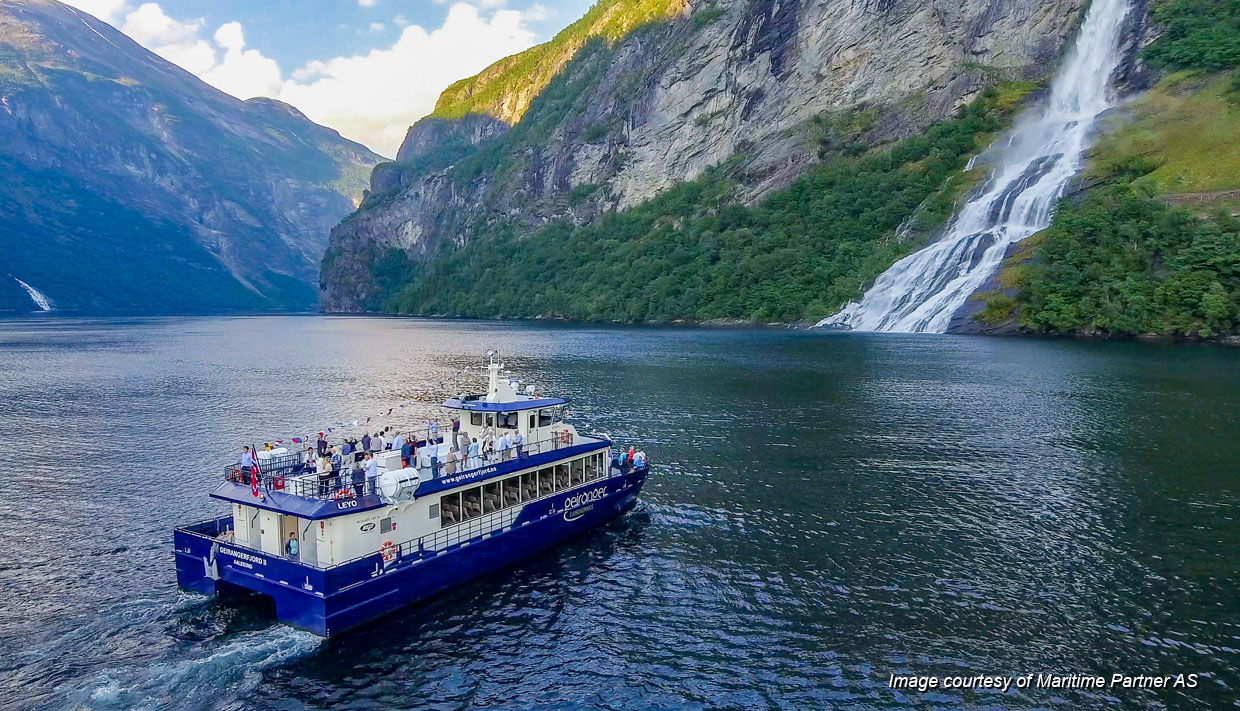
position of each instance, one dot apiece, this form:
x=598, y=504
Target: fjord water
x=1035, y=164
x=825, y=510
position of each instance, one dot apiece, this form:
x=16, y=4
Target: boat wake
x=197, y=681
x=921, y=293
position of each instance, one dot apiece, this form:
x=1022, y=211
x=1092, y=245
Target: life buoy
x=566, y=437
x=388, y=551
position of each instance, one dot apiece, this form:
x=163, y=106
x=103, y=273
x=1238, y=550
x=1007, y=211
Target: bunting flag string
x=429, y=394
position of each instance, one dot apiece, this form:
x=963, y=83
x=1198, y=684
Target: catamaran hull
x=330, y=601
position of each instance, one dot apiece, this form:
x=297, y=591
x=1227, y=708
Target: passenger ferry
x=367, y=547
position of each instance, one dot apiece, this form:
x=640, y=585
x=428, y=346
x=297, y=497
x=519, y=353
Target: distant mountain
x=127, y=184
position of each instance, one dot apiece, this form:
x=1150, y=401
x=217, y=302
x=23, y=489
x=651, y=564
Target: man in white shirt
x=519, y=443
x=503, y=447
x=246, y=460
x=433, y=429
x=398, y=441
x=372, y=468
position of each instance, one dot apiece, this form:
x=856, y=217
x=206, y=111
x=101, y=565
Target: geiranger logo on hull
x=579, y=505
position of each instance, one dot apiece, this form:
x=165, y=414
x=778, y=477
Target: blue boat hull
x=329, y=601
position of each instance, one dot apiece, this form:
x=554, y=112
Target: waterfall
x=921, y=292
x=36, y=296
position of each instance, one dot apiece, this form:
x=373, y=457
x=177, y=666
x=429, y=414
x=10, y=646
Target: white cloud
x=537, y=13
x=367, y=3
x=178, y=42
x=110, y=11
x=244, y=73
x=372, y=98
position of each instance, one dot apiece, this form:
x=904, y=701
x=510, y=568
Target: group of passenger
x=350, y=468
x=632, y=459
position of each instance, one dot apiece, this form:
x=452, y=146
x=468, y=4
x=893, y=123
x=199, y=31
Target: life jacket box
x=388, y=460
x=264, y=455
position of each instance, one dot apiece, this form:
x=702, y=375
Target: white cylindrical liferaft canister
x=398, y=484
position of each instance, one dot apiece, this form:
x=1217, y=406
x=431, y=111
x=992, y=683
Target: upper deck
x=440, y=456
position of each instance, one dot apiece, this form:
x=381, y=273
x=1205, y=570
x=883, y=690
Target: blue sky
x=368, y=68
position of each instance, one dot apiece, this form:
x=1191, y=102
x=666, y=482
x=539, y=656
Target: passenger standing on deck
x=372, y=470
x=379, y=443
x=322, y=445
x=398, y=440
x=503, y=447
x=366, y=442
x=406, y=452
x=325, y=473
x=291, y=548
x=451, y=463
x=432, y=429
x=246, y=460
x=473, y=454
x=518, y=442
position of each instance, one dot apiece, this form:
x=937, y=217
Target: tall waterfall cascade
x=921, y=292
x=36, y=296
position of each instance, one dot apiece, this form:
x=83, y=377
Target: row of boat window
x=493, y=496
x=508, y=420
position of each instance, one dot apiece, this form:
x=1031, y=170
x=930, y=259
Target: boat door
x=269, y=530
x=306, y=540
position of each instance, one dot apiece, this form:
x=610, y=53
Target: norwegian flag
x=254, y=472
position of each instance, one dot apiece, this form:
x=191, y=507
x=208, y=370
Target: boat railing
x=295, y=474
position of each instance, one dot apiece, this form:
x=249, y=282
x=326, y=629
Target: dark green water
x=825, y=511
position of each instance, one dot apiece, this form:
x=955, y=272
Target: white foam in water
x=920, y=293
x=193, y=682
x=36, y=296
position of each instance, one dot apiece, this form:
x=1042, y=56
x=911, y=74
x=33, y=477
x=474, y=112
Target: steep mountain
x=128, y=184
x=749, y=131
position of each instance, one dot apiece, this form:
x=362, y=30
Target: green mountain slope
x=505, y=89
x=130, y=185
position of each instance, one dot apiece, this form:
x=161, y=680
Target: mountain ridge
x=218, y=203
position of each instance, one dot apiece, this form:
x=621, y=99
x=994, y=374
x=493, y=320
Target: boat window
x=591, y=467
x=529, y=485
x=508, y=420
x=561, y=476
x=512, y=491
x=451, y=506
x=578, y=471
x=475, y=419
x=545, y=484
x=490, y=420
x=471, y=502
x=559, y=414
x=532, y=421
x=490, y=497
x=544, y=417
x=434, y=511
x=385, y=525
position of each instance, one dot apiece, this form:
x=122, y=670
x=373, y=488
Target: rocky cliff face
x=738, y=82
x=128, y=184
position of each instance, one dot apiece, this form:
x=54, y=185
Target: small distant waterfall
x=1045, y=151
x=36, y=296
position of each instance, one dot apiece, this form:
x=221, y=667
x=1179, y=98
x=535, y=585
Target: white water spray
x=921, y=292
x=36, y=296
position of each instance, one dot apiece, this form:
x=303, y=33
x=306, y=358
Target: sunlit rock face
x=727, y=81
